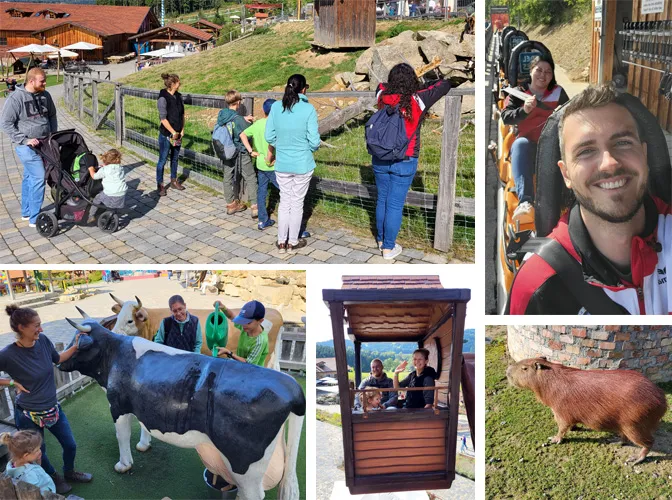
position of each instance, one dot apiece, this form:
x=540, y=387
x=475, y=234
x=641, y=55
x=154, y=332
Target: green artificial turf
x=521, y=464
x=163, y=471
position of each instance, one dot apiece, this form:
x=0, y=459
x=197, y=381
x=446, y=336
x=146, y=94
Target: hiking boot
x=524, y=213
x=62, y=486
x=255, y=211
x=293, y=248
x=235, y=207
x=161, y=189
x=282, y=247
x=174, y=183
x=78, y=477
x=263, y=225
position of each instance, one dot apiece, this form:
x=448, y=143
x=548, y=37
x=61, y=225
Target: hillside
x=264, y=61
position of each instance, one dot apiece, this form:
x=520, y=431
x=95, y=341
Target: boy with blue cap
x=265, y=171
x=253, y=341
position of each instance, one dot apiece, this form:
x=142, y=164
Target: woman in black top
x=29, y=361
x=423, y=376
x=171, y=131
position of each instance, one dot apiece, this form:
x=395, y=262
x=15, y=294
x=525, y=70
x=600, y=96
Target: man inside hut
x=181, y=330
x=616, y=233
x=423, y=376
x=380, y=380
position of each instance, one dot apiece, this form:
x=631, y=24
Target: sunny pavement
x=183, y=227
x=153, y=292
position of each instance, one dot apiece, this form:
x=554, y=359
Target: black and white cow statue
x=232, y=413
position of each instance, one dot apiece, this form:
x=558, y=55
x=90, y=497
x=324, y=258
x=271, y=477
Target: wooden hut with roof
x=170, y=34
x=207, y=26
x=401, y=449
x=344, y=24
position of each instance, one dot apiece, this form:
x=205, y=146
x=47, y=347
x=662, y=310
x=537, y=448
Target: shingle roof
x=205, y=22
x=390, y=282
x=103, y=19
x=181, y=27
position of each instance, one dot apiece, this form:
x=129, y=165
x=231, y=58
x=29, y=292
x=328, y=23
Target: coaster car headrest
x=514, y=59
x=552, y=196
x=512, y=38
x=502, y=36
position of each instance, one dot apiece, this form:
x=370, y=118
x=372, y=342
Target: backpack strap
x=569, y=270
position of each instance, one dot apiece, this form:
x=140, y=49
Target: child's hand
x=254, y=154
x=249, y=118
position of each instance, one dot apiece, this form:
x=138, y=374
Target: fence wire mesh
x=343, y=193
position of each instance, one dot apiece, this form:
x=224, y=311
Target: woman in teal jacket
x=291, y=132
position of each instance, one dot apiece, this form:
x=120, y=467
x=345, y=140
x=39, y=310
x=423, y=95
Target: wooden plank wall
x=67, y=35
x=595, y=48
x=325, y=22
x=644, y=83
x=399, y=447
x=445, y=338
x=356, y=24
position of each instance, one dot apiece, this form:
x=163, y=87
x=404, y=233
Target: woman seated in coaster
x=423, y=376
x=530, y=117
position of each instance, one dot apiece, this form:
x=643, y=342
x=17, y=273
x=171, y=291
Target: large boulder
x=385, y=58
x=468, y=102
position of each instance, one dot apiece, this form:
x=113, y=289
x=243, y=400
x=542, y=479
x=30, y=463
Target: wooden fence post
x=248, y=103
x=94, y=101
x=445, y=204
x=80, y=88
x=118, y=115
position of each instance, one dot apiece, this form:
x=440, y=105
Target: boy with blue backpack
x=234, y=154
x=393, y=141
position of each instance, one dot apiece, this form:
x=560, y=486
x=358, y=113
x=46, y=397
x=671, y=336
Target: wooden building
x=380, y=446
x=177, y=33
x=345, y=23
x=261, y=11
x=640, y=71
x=208, y=27
x=61, y=24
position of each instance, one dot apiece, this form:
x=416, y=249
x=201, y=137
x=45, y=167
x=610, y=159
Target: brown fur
x=621, y=401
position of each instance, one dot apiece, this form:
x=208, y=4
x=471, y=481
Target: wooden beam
x=339, y=117
x=358, y=364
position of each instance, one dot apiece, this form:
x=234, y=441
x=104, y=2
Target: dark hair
x=176, y=299
x=169, y=79
x=295, y=84
x=403, y=81
x=19, y=316
x=422, y=351
x=547, y=58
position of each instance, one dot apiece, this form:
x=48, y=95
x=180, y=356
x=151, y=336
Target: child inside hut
x=372, y=400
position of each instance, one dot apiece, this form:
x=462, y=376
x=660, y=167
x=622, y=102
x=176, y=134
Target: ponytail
x=21, y=442
x=295, y=85
x=19, y=316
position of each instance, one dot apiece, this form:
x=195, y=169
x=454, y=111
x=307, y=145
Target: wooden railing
x=434, y=388
x=293, y=349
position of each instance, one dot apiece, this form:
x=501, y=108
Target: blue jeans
x=393, y=180
x=164, y=149
x=32, y=187
x=61, y=431
x=523, y=157
x=265, y=177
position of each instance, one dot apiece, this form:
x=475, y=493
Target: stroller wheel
x=108, y=222
x=46, y=224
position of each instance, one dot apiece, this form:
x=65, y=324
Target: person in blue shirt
x=293, y=137
x=24, y=459
x=181, y=330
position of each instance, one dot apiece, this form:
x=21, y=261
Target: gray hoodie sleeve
x=53, y=119
x=9, y=119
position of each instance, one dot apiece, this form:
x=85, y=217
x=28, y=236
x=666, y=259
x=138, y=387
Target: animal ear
x=116, y=308
x=140, y=315
x=541, y=366
x=544, y=358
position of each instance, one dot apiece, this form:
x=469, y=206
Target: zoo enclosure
x=439, y=208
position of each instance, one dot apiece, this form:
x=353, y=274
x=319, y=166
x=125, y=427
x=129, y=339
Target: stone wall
x=646, y=349
x=277, y=289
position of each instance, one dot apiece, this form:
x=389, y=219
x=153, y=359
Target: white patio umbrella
x=82, y=46
x=63, y=53
x=34, y=48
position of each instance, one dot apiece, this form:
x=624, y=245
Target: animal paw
x=143, y=447
x=121, y=467
x=555, y=439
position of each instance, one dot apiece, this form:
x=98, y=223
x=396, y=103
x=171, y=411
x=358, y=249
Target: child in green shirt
x=265, y=171
x=253, y=341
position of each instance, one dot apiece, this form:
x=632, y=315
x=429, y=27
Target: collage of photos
x=449, y=207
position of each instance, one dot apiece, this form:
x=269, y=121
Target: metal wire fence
x=343, y=192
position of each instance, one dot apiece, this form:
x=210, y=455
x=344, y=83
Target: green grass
x=583, y=466
x=328, y=417
x=163, y=471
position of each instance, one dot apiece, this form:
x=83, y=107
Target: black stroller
x=72, y=190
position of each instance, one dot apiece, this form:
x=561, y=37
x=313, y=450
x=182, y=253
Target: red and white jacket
x=531, y=125
x=537, y=289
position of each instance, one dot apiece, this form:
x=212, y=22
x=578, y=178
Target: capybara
x=620, y=401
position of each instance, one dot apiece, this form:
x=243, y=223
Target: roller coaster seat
x=518, y=64
x=502, y=37
x=511, y=40
x=552, y=196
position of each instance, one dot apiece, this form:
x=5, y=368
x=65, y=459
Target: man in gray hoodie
x=29, y=114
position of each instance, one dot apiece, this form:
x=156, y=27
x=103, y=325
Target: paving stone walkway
x=190, y=226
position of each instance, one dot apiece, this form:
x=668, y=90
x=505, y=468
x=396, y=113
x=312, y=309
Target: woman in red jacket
x=530, y=116
x=394, y=178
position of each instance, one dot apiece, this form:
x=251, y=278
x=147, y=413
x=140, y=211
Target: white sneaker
x=391, y=254
x=25, y=218
x=524, y=213
x=31, y=225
